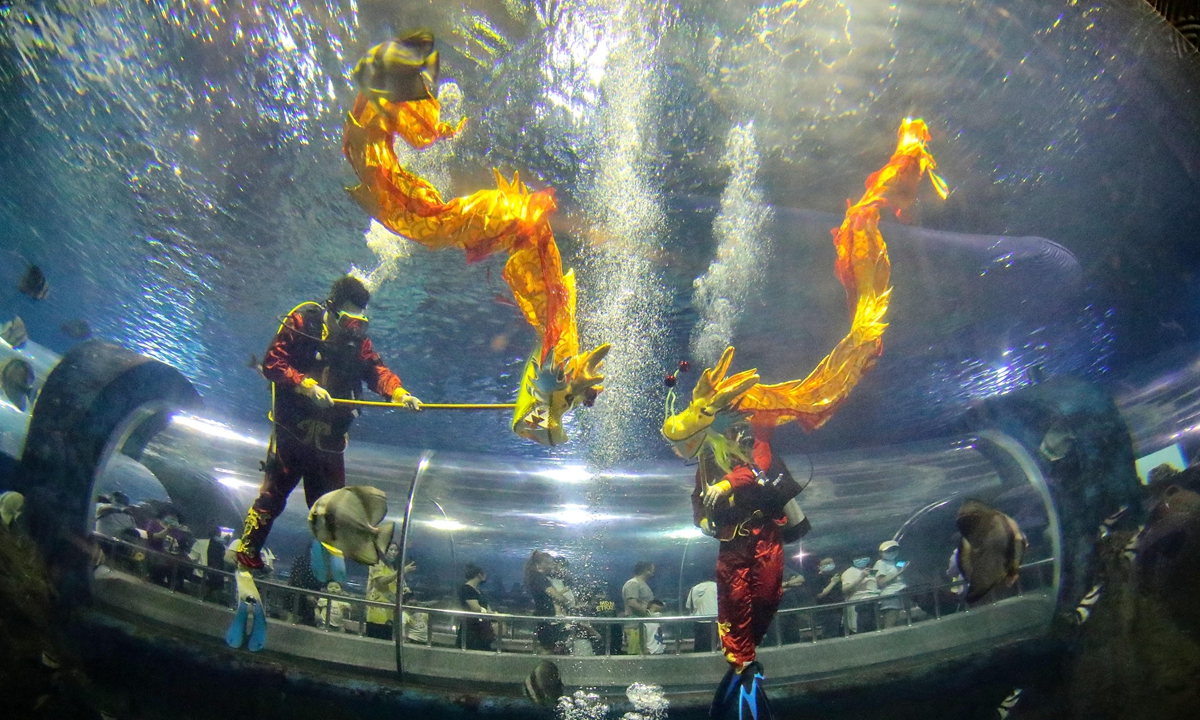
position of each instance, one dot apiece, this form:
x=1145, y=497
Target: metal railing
x=515, y=633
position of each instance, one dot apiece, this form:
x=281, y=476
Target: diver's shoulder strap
x=310, y=311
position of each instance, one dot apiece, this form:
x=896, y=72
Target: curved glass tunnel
x=492, y=512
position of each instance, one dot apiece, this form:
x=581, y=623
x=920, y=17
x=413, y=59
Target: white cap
x=888, y=545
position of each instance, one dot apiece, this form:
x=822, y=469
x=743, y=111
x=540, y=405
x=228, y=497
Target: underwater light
x=447, y=525
x=574, y=514
x=234, y=483
x=686, y=533
x=572, y=474
x=213, y=429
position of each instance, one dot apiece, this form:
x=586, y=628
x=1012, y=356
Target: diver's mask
x=353, y=324
x=862, y=562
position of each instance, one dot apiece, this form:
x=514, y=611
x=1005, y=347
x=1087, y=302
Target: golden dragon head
x=714, y=401
x=550, y=390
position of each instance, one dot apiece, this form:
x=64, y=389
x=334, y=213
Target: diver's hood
x=714, y=406
x=401, y=70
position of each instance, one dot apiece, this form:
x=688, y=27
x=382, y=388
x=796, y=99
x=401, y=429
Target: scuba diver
x=321, y=352
x=744, y=496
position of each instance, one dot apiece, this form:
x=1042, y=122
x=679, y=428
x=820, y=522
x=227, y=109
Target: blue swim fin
x=258, y=636
x=236, y=634
x=752, y=701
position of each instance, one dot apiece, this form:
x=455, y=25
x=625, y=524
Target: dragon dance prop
x=863, y=268
x=508, y=219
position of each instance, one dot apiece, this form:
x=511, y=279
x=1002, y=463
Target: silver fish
x=351, y=520
x=991, y=549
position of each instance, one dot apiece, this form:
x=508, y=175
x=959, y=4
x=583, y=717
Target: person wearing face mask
x=321, y=352
x=858, y=583
x=889, y=577
x=830, y=581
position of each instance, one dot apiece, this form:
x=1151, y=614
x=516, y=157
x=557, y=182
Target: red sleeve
x=762, y=453
x=743, y=475
x=376, y=375
x=277, y=362
x=740, y=477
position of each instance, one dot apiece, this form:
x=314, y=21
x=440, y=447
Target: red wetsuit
x=750, y=561
x=308, y=441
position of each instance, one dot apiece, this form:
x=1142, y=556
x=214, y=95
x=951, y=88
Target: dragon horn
x=711, y=378
x=731, y=389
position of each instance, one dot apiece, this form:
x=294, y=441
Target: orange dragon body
x=863, y=268
x=508, y=219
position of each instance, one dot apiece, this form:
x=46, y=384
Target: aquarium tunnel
x=956, y=242
x=454, y=509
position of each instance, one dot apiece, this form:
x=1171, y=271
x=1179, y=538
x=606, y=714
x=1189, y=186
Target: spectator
x=167, y=536
x=112, y=515
x=858, y=583
x=789, y=623
x=416, y=624
x=652, y=631
x=474, y=633
x=560, y=580
x=335, y=613
x=313, y=570
x=702, y=600
x=382, y=580
x=958, y=583
x=546, y=599
x=830, y=622
x=637, y=595
x=889, y=578
x=214, y=559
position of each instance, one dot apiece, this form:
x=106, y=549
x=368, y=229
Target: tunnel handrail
x=567, y=619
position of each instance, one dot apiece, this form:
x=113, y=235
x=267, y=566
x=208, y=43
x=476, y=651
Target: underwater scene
x=599, y=359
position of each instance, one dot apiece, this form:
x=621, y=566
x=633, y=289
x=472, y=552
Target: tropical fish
x=76, y=329
x=1107, y=524
x=991, y=549
x=33, y=283
x=1083, y=610
x=544, y=685
x=16, y=380
x=400, y=70
x=11, y=505
x=1007, y=704
x=13, y=332
x=351, y=520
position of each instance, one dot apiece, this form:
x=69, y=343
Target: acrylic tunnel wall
x=453, y=510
